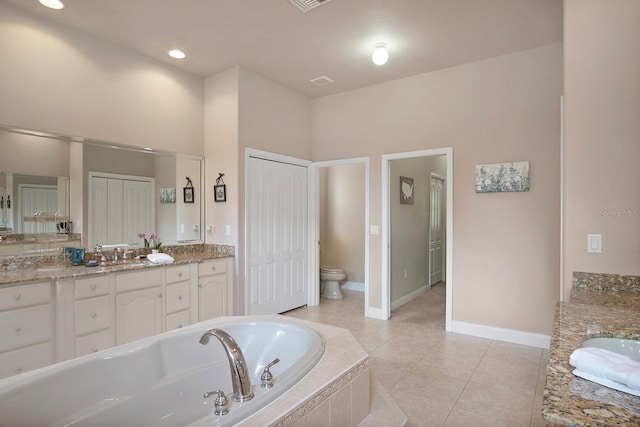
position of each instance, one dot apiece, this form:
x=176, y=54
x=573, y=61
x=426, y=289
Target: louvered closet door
x=137, y=209
x=277, y=236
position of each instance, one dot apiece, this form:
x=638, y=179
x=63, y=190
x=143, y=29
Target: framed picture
x=502, y=177
x=220, y=193
x=167, y=195
x=188, y=194
x=406, y=190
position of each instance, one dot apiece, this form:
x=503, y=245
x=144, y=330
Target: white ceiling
x=276, y=40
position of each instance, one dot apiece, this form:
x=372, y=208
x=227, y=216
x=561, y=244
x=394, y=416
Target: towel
x=608, y=365
x=160, y=258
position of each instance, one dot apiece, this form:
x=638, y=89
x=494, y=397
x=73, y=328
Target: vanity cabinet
x=92, y=315
x=178, y=296
x=50, y=321
x=215, y=295
x=138, y=305
x=26, y=327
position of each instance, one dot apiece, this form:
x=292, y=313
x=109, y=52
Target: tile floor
x=439, y=378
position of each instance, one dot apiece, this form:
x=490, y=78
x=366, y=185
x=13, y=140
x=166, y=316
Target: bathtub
x=160, y=380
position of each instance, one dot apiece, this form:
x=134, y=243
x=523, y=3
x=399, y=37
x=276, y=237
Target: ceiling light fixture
x=177, y=54
x=52, y=4
x=380, y=55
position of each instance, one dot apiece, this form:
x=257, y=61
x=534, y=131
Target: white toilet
x=331, y=278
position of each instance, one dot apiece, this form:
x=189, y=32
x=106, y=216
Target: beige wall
x=64, y=81
x=32, y=155
x=602, y=136
x=245, y=110
x=409, y=224
x=506, y=246
x=342, y=219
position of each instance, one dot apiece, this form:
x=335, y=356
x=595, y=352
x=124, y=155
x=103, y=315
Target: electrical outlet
x=228, y=230
x=196, y=228
x=405, y=275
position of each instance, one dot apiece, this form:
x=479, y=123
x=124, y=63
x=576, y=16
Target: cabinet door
x=138, y=314
x=212, y=297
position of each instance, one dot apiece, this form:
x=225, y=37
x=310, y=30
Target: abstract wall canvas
x=167, y=195
x=502, y=177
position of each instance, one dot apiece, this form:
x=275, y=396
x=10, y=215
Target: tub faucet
x=239, y=375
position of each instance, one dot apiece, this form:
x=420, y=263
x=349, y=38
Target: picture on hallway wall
x=167, y=195
x=406, y=190
x=502, y=177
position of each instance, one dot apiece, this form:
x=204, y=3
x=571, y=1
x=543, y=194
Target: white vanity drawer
x=178, y=320
x=92, y=315
x=24, y=295
x=138, y=280
x=178, y=273
x=214, y=266
x=91, y=287
x=92, y=343
x=178, y=297
x=20, y=328
x=25, y=359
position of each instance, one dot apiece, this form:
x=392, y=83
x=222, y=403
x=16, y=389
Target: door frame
x=314, y=298
x=386, y=214
x=443, y=276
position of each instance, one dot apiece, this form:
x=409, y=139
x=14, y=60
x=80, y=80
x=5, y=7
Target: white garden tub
x=160, y=380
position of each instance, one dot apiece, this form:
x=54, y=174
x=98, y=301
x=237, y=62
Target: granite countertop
x=14, y=270
x=594, y=311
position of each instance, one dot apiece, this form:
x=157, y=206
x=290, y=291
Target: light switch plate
x=594, y=243
x=374, y=229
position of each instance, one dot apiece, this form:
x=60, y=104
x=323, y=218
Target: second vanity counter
x=595, y=310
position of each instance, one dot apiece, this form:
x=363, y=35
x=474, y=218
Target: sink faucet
x=116, y=251
x=237, y=365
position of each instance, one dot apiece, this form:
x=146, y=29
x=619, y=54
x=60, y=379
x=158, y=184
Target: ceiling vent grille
x=322, y=81
x=307, y=5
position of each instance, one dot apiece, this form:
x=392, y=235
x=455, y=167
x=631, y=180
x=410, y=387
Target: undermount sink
x=626, y=347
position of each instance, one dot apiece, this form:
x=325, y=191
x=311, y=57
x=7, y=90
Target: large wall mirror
x=98, y=192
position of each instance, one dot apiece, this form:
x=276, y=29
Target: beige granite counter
x=594, y=311
x=14, y=270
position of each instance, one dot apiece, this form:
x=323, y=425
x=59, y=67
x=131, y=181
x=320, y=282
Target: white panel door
x=98, y=224
x=120, y=208
x=277, y=236
x=137, y=209
x=114, y=212
x=38, y=198
x=435, y=230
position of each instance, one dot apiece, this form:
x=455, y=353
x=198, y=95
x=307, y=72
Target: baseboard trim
x=409, y=297
x=375, y=313
x=353, y=286
x=500, y=334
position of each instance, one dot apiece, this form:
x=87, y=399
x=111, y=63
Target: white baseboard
x=405, y=299
x=353, y=286
x=375, y=313
x=500, y=334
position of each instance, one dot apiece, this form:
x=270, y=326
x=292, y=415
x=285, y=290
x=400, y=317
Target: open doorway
x=416, y=227
x=342, y=206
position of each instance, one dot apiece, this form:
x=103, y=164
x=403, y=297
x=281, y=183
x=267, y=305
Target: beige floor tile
x=438, y=378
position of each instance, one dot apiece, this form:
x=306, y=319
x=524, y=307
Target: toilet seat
x=331, y=270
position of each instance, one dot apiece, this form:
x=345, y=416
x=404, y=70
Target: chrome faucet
x=116, y=253
x=239, y=374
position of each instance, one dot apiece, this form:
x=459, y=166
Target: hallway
x=439, y=378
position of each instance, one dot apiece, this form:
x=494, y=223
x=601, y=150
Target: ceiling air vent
x=322, y=81
x=307, y=5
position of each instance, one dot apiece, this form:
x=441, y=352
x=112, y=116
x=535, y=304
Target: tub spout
x=237, y=365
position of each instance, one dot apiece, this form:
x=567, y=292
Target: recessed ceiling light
x=52, y=4
x=178, y=54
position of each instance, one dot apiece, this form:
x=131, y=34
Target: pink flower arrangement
x=153, y=240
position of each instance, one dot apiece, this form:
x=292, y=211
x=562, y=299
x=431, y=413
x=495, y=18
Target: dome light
x=380, y=55
x=52, y=4
x=177, y=54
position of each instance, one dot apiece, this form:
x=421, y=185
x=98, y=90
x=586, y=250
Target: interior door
x=38, y=198
x=435, y=230
x=277, y=236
